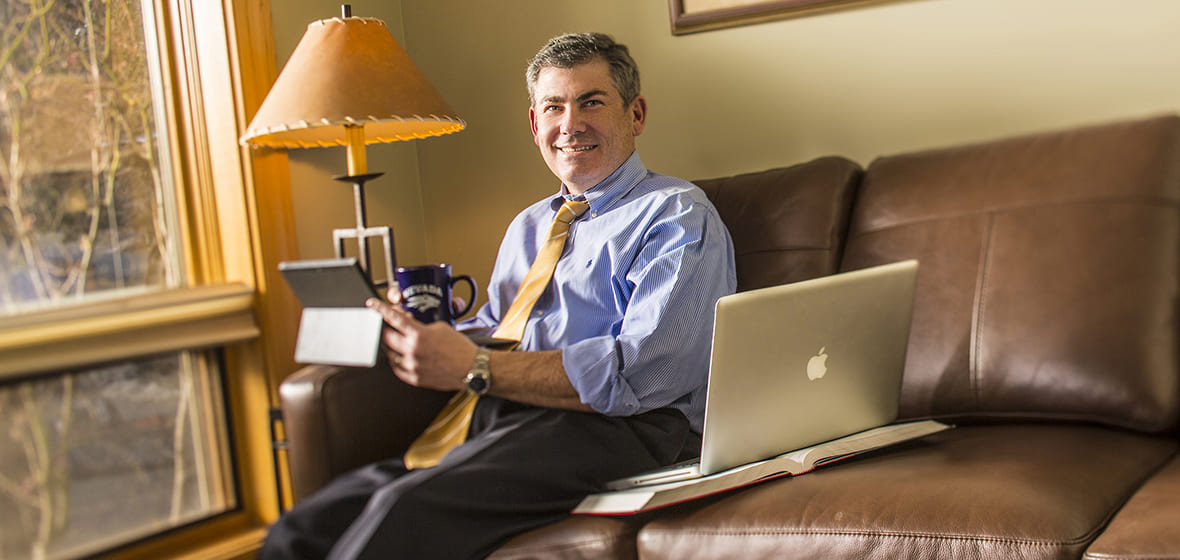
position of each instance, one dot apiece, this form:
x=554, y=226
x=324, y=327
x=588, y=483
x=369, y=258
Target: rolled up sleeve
x=657, y=355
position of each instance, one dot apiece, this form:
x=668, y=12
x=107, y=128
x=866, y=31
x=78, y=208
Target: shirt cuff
x=592, y=366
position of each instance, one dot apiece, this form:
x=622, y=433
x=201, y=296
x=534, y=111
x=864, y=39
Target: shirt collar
x=614, y=187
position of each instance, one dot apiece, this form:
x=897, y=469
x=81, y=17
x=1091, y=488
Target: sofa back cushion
x=1050, y=266
x=787, y=224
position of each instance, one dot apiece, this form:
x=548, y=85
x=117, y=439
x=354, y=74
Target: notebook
x=800, y=364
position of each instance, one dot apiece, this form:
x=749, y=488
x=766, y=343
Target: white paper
x=343, y=336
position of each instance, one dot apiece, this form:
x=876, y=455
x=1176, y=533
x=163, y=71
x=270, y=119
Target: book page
x=864, y=441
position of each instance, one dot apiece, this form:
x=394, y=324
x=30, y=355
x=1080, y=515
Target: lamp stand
x=363, y=233
x=358, y=175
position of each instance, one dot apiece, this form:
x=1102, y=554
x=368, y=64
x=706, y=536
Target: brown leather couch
x=1046, y=327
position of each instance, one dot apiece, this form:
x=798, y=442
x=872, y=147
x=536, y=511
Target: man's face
x=581, y=125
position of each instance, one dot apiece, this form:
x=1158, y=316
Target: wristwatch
x=479, y=379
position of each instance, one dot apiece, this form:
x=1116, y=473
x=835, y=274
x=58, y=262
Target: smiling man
x=584, y=125
x=609, y=286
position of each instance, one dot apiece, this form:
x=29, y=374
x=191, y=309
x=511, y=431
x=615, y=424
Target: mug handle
x=474, y=293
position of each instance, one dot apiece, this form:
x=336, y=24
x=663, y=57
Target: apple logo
x=816, y=366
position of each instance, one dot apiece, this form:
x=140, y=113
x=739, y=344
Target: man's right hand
x=433, y=356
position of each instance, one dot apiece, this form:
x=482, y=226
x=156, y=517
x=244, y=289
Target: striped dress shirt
x=631, y=301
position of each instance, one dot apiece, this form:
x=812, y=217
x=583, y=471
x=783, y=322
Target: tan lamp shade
x=346, y=73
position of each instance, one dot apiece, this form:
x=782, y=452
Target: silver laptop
x=800, y=364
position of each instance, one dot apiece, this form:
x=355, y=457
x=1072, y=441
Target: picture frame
x=693, y=16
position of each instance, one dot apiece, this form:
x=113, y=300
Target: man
x=609, y=376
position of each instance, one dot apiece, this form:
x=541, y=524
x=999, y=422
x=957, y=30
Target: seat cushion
x=1145, y=528
x=997, y=491
x=576, y=538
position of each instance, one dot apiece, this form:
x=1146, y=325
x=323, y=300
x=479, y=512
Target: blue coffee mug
x=427, y=292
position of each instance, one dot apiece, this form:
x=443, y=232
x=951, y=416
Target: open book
x=635, y=500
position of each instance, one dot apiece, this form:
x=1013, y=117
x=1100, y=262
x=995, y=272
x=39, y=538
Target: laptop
x=800, y=364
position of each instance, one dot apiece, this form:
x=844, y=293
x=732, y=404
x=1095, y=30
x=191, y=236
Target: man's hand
x=436, y=356
x=433, y=356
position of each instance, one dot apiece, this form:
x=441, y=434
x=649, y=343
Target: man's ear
x=533, y=125
x=638, y=114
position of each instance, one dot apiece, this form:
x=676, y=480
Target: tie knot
x=571, y=210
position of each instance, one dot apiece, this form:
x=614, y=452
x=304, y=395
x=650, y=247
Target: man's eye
x=552, y=108
x=593, y=102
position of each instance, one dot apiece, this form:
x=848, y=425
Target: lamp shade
x=349, y=71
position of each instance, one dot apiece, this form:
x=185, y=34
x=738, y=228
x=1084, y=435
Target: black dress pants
x=521, y=468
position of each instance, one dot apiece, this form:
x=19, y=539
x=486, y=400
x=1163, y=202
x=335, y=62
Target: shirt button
x=594, y=214
x=538, y=313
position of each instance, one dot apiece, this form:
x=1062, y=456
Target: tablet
x=341, y=283
x=328, y=282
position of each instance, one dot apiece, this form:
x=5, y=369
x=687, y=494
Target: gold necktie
x=449, y=428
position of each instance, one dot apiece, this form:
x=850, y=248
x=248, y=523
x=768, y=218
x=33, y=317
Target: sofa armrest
x=340, y=418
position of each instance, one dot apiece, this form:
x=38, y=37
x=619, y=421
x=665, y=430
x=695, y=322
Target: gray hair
x=567, y=51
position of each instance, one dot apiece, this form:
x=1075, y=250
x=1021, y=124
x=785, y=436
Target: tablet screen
x=328, y=283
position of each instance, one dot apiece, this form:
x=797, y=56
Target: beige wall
x=863, y=82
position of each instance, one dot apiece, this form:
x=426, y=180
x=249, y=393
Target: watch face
x=477, y=385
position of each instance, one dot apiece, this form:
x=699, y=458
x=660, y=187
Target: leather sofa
x=1045, y=327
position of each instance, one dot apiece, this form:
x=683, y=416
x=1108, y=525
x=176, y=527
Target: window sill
x=146, y=324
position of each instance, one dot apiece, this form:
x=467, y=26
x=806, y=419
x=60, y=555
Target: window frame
x=236, y=223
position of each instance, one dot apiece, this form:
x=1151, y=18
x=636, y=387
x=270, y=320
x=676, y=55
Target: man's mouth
x=575, y=149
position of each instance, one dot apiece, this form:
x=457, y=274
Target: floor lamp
x=349, y=83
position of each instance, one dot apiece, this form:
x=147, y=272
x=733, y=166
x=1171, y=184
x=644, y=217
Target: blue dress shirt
x=632, y=298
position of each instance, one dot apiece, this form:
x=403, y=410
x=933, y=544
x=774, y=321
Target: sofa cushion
x=1146, y=526
x=987, y=491
x=576, y=538
x=788, y=223
x=1050, y=266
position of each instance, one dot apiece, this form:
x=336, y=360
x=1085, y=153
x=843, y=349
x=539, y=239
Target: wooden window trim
x=104, y=331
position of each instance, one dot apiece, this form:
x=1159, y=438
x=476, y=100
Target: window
x=87, y=196
x=134, y=314
x=97, y=457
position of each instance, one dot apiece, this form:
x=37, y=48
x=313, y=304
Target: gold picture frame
x=692, y=16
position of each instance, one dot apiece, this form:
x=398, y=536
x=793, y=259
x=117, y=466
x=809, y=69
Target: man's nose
x=572, y=123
